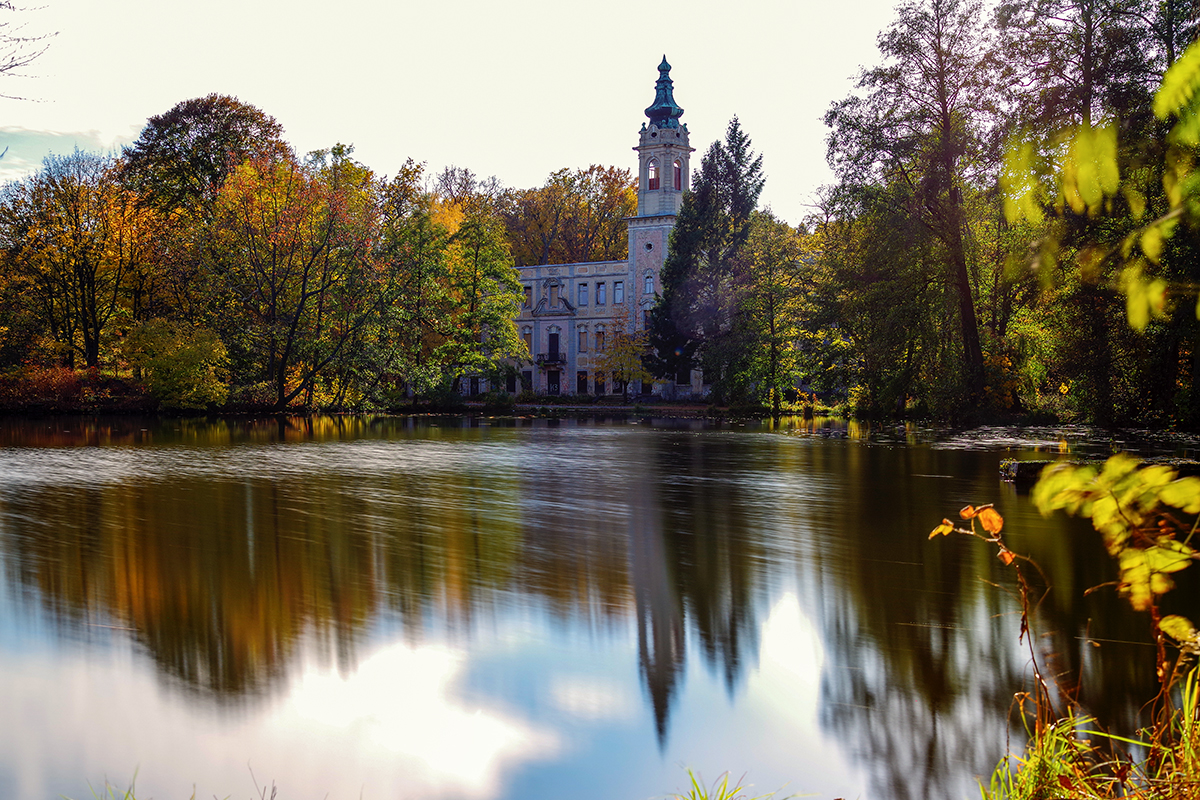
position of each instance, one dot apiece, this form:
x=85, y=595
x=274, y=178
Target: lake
x=390, y=607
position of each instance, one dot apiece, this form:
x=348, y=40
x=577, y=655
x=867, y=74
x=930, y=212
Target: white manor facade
x=569, y=309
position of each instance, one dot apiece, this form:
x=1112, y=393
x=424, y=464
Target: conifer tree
x=695, y=318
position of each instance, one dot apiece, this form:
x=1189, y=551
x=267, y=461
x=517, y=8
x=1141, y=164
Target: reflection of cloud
x=593, y=699
x=27, y=148
x=770, y=731
x=391, y=729
x=790, y=656
x=399, y=701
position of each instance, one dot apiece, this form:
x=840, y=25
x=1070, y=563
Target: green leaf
x=1183, y=494
x=1166, y=559
x=1135, y=578
x=1152, y=243
x=1136, y=201
x=1087, y=180
x=1179, y=85
x=1178, y=628
x=1143, y=298
x=1019, y=184
x=1105, y=151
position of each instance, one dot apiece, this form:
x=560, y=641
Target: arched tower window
x=678, y=176
x=652, y=174
x=649, y=284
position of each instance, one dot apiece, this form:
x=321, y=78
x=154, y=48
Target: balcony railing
x=552, y=358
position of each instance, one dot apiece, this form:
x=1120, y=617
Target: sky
x=511, y=88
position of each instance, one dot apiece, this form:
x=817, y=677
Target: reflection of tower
x=659, y=613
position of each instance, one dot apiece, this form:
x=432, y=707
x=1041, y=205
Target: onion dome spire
x=663, y=112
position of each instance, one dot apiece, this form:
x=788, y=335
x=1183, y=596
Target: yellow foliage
x=1124, y=502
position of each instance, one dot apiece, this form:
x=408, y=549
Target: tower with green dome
x=663, y=176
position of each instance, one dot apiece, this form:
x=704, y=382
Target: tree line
x=1006, y=199
x=215, y=265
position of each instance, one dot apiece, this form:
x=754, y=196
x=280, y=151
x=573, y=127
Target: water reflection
x=468, y=596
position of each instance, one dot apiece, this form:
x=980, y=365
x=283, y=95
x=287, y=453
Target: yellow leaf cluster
x=1145, y=298
x=1089, y=171
x=1124, y=502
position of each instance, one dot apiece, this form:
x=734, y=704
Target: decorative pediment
x=543, y=309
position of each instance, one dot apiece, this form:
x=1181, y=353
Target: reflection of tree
x=715, y=545
x=222, y=580
x=921, y=668
x=922, y=637
x=227, y=556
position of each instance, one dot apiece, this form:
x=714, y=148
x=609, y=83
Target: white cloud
x=25, y=149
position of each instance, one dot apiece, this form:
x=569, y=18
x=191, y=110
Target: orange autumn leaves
x=989, y=519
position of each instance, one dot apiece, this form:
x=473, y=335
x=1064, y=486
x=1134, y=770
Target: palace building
x=570, y=309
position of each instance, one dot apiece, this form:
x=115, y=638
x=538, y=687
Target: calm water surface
x=493, y=609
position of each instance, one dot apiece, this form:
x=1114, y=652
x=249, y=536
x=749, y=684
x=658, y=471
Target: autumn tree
x=290, y=257
x=73, y=237
x=625, y=350
x=574, y=217
x=918, y=121
x=184, y=156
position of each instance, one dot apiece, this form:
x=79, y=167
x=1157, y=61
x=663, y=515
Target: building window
x=599, y=341
x=527, y=335
x=581, y=382
x=528, y=296
x=618, y=292
x=678, y=176
x=582, y=294
x=601, y=299
x=599, y=383
x=527, y=380
x=649, y=288
x=510, y=384
x=646, y=318
x=652, y=175
x=554, y=297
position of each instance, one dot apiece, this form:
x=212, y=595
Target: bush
x=52, y=384
x=184, y=367
x=497, y=401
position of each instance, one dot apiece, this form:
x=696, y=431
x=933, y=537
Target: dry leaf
x=991, y=520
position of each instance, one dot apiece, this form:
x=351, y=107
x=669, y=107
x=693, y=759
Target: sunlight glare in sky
x=514, y=89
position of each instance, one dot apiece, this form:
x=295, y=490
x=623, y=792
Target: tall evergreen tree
x=695, y=318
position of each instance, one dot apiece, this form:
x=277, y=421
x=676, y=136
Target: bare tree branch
x=18, y=49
